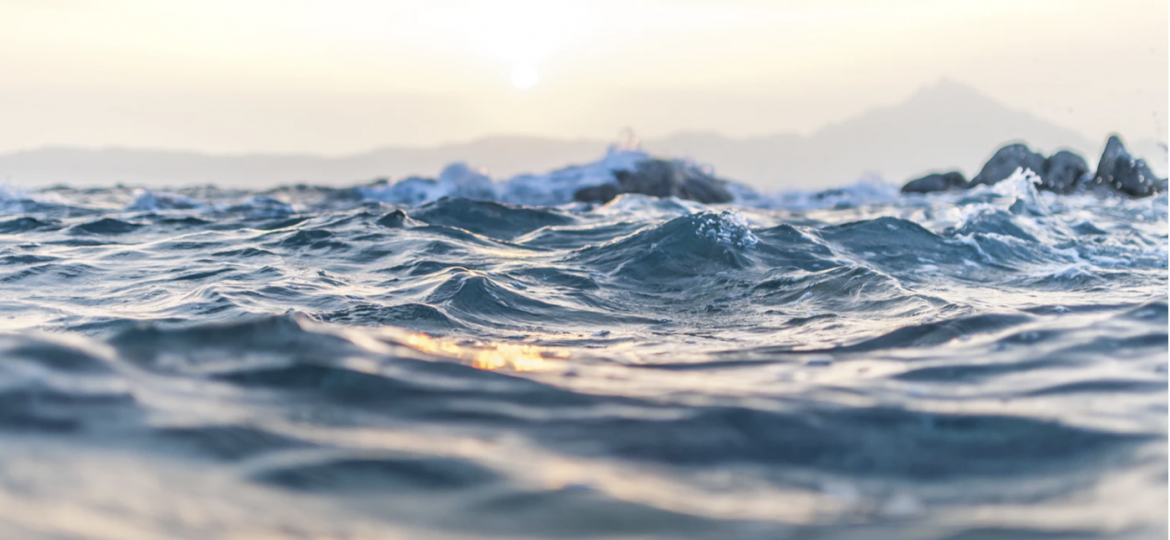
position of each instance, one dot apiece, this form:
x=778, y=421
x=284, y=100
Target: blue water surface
x=341, y=363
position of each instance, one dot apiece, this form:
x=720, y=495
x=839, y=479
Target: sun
x=524, y=76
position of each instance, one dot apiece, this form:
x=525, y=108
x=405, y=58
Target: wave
x=469, y=357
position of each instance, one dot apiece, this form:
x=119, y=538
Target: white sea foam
x=548, y=189
x=16, y=200
x=1020, y=187
x=730, y=228
x=456, y=180
x=557, y=187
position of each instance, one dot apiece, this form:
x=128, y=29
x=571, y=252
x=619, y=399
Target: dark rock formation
x=603, y=193
x=936, y=182
x=1133, y=177
x=660, y=178
x=1114, y=149
x=397, y=220
x=1063, y=172
x=1005, y=162
x=1120, y=171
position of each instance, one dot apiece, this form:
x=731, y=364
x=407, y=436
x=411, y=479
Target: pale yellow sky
x=342, y=76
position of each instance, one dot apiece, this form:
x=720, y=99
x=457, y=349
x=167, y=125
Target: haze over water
x=343, y=77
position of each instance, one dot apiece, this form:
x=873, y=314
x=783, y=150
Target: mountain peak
x=949, y=93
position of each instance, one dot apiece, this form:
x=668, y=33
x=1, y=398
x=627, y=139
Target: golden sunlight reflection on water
x=492, y=356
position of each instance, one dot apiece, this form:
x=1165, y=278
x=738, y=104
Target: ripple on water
x=842, y=365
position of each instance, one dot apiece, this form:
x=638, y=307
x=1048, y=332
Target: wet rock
x=1114, y=149
x=1133, y=177
x=397, y=220
x=1063, y=172
x=661, y=178
x=1119, y=171
x=936, y=182
x=602, y=193
x=1005, y=162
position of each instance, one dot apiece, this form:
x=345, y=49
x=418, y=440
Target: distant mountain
x=941, y=127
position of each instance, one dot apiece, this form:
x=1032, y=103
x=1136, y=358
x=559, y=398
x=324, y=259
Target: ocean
x=479, y=358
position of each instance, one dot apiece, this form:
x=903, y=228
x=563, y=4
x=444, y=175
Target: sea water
x=469, y=358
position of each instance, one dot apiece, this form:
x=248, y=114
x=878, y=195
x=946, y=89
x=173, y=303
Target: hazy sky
x=341, y=76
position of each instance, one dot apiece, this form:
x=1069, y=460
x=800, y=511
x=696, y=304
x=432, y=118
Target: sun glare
x=520, y=34
x=487, y=356
x=524, y=76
